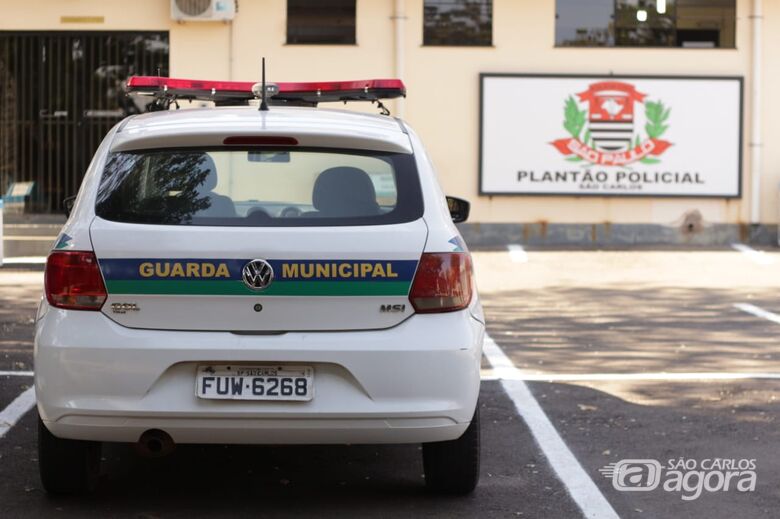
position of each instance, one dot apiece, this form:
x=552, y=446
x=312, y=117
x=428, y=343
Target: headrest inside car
x=343, y=192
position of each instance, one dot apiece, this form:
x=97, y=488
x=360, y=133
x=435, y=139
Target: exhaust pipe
x=155, y=443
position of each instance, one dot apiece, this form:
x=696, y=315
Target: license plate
x=267, y=382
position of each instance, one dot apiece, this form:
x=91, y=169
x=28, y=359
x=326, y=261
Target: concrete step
x=29, y=239
x=53, y=218
x=31, y=229
x=35, y=246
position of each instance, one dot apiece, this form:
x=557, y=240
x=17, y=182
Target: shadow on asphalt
x=598, y=330
x=300, y=481
x=704, y=420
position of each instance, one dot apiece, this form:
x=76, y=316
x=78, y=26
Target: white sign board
x=611, y=135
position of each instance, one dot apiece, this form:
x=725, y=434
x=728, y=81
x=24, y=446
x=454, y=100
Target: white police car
x=282, y=276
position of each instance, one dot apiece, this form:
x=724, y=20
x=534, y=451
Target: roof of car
x=315, y=127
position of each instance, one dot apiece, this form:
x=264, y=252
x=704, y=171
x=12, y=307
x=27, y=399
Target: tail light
x=73, y=281
x=442, y=283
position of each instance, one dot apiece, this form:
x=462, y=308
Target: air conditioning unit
x=203, y=10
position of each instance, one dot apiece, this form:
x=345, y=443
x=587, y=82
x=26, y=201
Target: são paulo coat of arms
x=600, y=122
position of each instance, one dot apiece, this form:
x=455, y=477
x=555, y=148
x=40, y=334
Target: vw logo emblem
x=257, y=274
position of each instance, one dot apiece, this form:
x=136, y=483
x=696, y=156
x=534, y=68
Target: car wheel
x=67, y=466
x=452, y=467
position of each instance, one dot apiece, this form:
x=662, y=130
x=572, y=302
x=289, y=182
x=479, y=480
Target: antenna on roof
x=263, y=104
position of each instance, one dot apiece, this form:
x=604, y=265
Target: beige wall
x=442, y=83
x=770, y=109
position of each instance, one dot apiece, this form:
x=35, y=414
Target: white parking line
x=580, y=486
x=756, y=256
x=574, y=377
x=16, y=409
x=16, y=373
x=29, y=238
x=517, y=253
x=758, y=312
x=25, y=260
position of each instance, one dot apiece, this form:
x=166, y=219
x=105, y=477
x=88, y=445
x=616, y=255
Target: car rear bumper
x=416, y=382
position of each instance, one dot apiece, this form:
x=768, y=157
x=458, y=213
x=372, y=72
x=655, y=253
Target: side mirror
x=67, y=204
x=459, y=209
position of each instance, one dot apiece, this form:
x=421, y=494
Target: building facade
x=449, y=52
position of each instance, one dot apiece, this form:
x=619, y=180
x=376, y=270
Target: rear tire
x=452, y=467
x=67, y=466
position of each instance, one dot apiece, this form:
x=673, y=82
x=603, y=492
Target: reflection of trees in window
x=591, y=37
x=645, y=23
x=584, y=23
x=161, y=188
x=321, y=21
x=656, y=31
x=458, y=22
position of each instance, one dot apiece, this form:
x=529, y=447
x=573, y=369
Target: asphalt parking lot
x=598, y=357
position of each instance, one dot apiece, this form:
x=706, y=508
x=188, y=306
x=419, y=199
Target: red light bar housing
x=240, y=92
x=157, y=86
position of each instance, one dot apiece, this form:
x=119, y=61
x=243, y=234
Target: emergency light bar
x=240, y=92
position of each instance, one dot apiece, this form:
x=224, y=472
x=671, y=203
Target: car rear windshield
x=251, y=187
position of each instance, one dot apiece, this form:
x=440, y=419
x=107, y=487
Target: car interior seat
x=344, y=192
x=220, y=206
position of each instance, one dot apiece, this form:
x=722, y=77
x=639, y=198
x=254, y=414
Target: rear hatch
x=258, y=240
